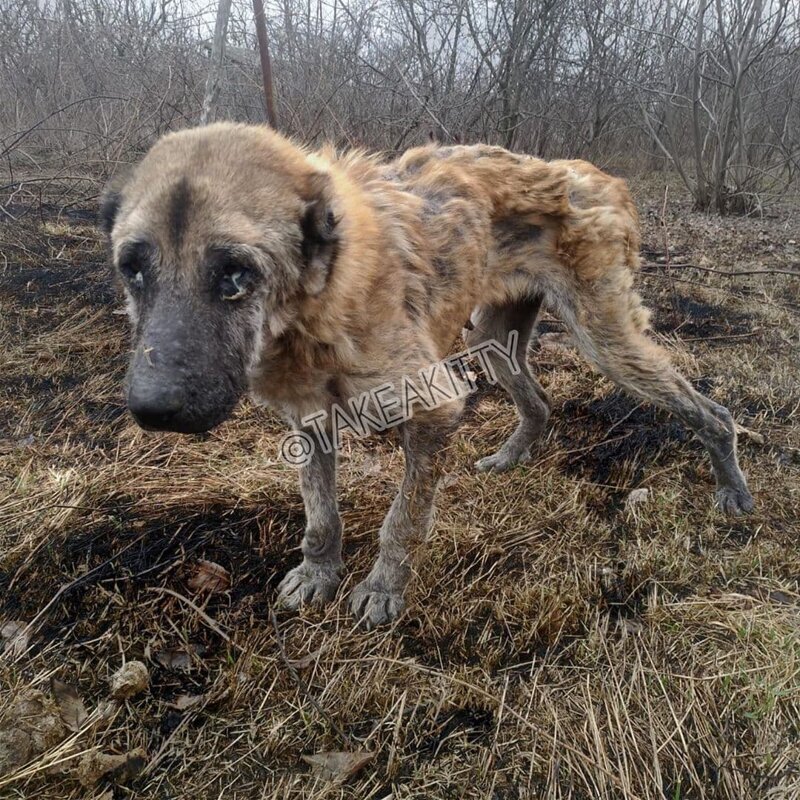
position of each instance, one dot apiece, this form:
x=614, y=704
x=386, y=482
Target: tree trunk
x=216, y=65
x=266, y=63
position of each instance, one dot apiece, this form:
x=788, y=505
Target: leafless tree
x=707, y=88
x=720, y=112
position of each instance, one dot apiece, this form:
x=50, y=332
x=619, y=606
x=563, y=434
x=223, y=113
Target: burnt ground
x=559, y=642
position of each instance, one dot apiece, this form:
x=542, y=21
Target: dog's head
x=216, y=236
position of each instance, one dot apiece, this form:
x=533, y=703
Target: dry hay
x=559, y=642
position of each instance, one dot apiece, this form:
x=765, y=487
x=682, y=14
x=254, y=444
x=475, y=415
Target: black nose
x=155, y=407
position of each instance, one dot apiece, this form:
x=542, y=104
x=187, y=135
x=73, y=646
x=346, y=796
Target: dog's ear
x=110, y=201
x=320, y=244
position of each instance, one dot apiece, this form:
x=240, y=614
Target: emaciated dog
x=250, y=263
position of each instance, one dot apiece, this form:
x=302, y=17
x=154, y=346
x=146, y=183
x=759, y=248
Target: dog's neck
x=377, y=236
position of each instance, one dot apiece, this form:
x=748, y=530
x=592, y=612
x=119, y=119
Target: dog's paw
x=372, y=604
x=308, y=583
x=500, y=462
x=734, y=502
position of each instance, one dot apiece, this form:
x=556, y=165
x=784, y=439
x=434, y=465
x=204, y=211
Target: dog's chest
x=301, y=383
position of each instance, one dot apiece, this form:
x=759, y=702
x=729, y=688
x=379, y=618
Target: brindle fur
x=345, y=272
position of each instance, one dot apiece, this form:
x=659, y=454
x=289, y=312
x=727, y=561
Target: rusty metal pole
x=266, y=63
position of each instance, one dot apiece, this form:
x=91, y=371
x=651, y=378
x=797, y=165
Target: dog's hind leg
x=318, y=576
x=495, y=322
x=607, y=321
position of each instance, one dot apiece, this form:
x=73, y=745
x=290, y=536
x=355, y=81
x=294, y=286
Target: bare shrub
x=709, y=88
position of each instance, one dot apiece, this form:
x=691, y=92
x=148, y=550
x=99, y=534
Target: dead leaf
x=209, y=577
x=16, y=636
x=105, y=711
x=788, y=456
x=338, y=766
x=370, y=466
x=448, y=479
x=187, y=701
x=31, y=724
x=179, y=657
x=304, y=662
x=630, y=626
x=174, y=659
x=70, y=706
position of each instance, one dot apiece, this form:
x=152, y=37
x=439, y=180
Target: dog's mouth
x=176, y=425
x=162, y=406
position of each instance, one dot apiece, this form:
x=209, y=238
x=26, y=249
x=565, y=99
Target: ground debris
x=95, y=765
x=70, y=706
x=209, y=577
x=629, y=626
x=371, y=466
x=637, y=497
x=338, y=766
x=304, y=662
x=9, y=445
x=129, y=680
x=179, y=657
x=753, y=436
x=30, y=725
x=788, y=456
x=15, y=635
x=187, y=701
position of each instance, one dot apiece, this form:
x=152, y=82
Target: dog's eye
x=133, y=273
x=236, y=282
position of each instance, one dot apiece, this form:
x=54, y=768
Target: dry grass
x=557, y=644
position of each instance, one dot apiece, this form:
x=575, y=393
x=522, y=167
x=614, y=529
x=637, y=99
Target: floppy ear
x=111, y=199
x=320, y=237
x=110, y=202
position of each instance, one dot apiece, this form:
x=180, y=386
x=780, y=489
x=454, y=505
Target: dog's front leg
x=379, y=598
x=317, y=578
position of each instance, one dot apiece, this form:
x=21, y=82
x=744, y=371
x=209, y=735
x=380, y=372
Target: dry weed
x=559, y=643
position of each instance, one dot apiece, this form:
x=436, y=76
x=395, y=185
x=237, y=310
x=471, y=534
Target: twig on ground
x=668, y=263
x=199, y=611
x=726, y=273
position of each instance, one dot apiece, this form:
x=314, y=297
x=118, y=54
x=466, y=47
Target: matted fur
x=360, y=271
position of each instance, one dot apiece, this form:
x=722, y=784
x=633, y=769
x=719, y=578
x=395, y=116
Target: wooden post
x=266, y=63
x=215, y=67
